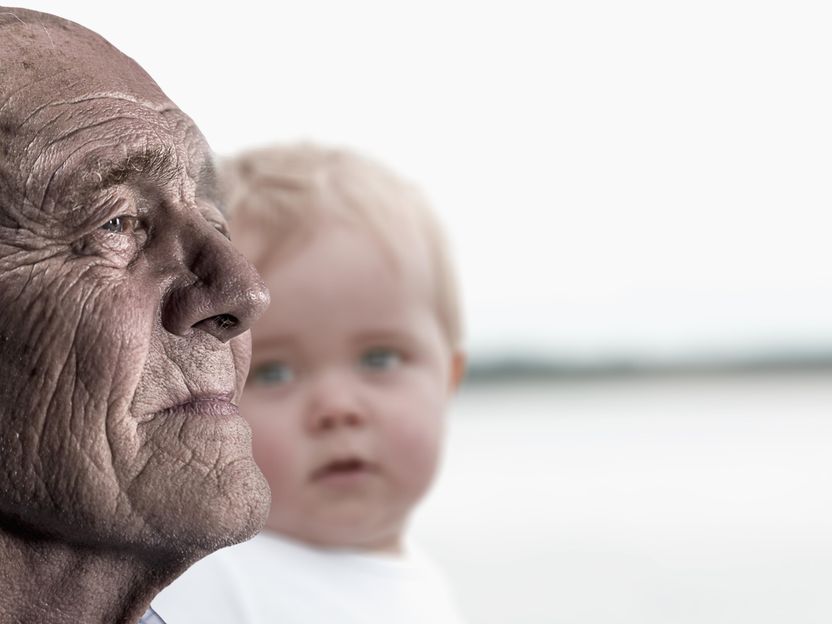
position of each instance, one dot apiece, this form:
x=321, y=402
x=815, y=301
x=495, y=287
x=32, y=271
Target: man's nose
x=224, y=294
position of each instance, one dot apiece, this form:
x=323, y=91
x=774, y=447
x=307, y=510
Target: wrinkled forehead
x=69, y=98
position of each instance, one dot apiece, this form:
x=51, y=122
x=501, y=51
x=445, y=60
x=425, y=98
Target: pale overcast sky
x=619, y=178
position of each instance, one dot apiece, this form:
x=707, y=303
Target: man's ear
x=457, y=370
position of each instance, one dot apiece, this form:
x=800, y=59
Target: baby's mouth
x=343, y=467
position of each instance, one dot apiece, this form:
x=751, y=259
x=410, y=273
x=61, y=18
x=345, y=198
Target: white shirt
x=273, y=580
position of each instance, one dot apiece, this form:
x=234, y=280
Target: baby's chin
x=342, y=537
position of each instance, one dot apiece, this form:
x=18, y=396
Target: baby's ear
x=457, y=369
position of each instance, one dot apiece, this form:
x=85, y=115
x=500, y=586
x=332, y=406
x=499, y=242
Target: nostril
x=226, y=321
x=335, y=420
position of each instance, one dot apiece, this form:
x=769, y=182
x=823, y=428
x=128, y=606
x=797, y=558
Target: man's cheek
x=113, y=346
x=111, y=343
x=36, y=347
x=69, y=374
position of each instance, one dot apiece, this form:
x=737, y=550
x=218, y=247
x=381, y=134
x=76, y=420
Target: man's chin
x=240, y=515
x=210, y=514
x=197, y=486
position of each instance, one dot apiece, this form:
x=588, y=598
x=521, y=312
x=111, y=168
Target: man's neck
x=46, y=582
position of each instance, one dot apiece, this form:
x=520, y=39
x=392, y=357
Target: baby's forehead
x=403, y=259
x=280, y=197
x=402, y=252
x=270, y=223
x=342, y=287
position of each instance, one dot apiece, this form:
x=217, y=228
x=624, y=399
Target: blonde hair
x=278, y=195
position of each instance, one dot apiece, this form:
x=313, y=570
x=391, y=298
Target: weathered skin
x=114, y=269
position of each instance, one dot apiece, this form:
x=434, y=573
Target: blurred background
x=640, y=200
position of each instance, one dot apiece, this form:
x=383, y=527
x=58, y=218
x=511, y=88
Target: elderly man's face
x=122, y=307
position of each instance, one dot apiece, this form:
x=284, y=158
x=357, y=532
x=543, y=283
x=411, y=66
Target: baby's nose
x=326, y=421
x=334, y=403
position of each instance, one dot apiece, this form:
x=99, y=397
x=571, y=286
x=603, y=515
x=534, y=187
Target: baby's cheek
x=415, y=447
x=273, y=444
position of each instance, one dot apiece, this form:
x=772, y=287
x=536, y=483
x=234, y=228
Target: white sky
x=639, y=178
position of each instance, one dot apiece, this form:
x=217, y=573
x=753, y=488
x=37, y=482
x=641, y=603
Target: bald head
x=40, y=52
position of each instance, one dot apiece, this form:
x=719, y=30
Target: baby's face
x=349, y=381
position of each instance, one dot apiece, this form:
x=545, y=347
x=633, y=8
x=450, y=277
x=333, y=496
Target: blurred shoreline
x=521, y=368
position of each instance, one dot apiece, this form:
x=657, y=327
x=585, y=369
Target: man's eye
x=120, y=224
x=272, y=373
x=222, y=229
x=380, y=359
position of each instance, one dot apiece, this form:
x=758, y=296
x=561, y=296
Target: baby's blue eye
x=380, y=359
x=272, y=373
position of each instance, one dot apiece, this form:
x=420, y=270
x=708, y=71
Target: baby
x=352, y=368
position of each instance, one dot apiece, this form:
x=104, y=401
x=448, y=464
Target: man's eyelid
x=132, y=222
x=123, y=208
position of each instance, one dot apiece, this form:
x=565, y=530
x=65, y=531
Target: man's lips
x=214, y=405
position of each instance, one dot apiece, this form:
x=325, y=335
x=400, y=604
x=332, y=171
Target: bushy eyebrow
x=96, y=174
x=159, y=163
